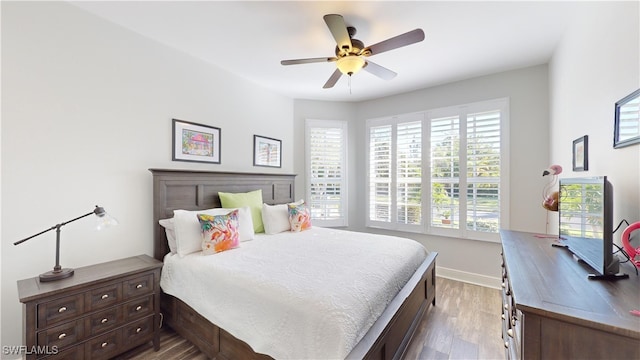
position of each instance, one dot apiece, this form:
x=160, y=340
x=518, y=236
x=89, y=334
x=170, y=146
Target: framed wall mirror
x=627, y=121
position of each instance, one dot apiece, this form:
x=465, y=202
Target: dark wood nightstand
x=100, y=312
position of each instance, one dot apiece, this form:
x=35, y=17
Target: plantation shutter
x=445, y=171
x=326, y=165
x=380, y=147
x=483, y=171
x=409, y=172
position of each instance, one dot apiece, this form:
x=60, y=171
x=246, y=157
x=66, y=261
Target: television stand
x=617, y=276
x=606, y=277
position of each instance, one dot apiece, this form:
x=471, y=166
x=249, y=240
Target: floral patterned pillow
x=219, y=232
x=299, y=217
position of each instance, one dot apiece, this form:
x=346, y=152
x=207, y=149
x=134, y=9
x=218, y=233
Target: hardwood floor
x=464, y=324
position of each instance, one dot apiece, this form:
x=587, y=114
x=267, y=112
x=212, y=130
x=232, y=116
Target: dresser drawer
x=59, y=310
x=74, y=353
x=104, y=321
x=104, y=296
x=138, y=308
x=62, y=335
x=137, y=286
x=139, y=332
x=104, y=346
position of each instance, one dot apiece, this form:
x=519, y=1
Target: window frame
x=343, y=220
x=393, y=122
x=502, y=105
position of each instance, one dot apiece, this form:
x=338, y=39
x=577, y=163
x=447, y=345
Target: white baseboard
x=471, y=278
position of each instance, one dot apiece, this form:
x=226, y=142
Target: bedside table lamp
x=103, y=220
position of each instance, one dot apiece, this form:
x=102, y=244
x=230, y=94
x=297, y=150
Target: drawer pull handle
x=62, y=336
x=104, y=296
x=104, y=344
x=513, y=322
x=510, y=332
x=504, y=317
x=62, y=309
x=138, y=330
x=138, y=308
x=139, y=286
x=506, y=306
x=504, y=285
x=104, y=320
x=506, y=344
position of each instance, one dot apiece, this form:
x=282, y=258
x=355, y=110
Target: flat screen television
x=585, y=210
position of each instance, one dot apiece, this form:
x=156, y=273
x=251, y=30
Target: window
x=395, y=172
x=326, y=154
x=458, y=154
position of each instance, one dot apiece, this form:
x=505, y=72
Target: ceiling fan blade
x=380, y=71
x=339, y=31
x=307, y=61
x=395, y=42
x=333, y=79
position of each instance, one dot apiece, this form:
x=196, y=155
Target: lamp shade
x=103, y=219
x=351, y=64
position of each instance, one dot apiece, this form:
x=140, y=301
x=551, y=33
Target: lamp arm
x=58, y=226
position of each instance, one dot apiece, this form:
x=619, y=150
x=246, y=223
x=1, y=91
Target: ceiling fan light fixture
x=350, y=64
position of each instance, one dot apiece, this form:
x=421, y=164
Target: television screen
x=586, y=221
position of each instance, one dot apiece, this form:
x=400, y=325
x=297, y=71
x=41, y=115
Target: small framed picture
x=195, y=142
x=581, y=154
x=267, y=151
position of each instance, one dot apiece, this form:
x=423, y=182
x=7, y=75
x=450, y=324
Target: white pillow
x=188, y=232
x=169, y=229
x=276, y=217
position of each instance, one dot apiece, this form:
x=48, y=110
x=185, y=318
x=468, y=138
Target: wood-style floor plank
x=464, y=324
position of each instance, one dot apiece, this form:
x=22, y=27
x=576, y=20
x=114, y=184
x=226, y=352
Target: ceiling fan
x=351, y=53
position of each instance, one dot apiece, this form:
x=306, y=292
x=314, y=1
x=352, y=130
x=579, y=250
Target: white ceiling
x=462, y=39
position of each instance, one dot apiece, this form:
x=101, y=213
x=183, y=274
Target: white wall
x=597, y=64
x=86, y=111
x=528, y=92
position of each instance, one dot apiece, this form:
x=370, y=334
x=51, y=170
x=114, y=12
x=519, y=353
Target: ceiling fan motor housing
x=356, y=47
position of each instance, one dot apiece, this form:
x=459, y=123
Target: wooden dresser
x=551, y=310
x=99, y=312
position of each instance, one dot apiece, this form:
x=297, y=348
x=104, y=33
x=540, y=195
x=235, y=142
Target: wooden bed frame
x=192, y=190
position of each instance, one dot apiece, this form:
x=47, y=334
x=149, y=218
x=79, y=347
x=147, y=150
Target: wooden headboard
x=198, y=190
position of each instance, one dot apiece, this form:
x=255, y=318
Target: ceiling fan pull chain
x=349, y=84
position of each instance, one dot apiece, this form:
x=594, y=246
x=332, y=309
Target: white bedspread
x=307, y=295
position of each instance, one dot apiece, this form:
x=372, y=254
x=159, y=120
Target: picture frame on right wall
x=581, y=154
x=267, y=151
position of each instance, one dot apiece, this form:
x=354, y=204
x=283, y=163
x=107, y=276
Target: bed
x=387, y=338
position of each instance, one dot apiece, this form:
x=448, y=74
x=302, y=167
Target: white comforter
x=312, y=294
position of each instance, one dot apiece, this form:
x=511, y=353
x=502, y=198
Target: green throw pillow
x=252, y=199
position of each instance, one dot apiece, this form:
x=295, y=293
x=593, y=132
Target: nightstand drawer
x=74, y=353
x=62, y=335
x=138, y=286
x=138, y=308
x=59, y=310
x=104, y=296
x=104, y=346
x=104, y=321
x=139, y=331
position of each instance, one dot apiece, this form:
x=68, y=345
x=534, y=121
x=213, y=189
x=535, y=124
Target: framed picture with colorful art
x=195, y=142
x=267, y=151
